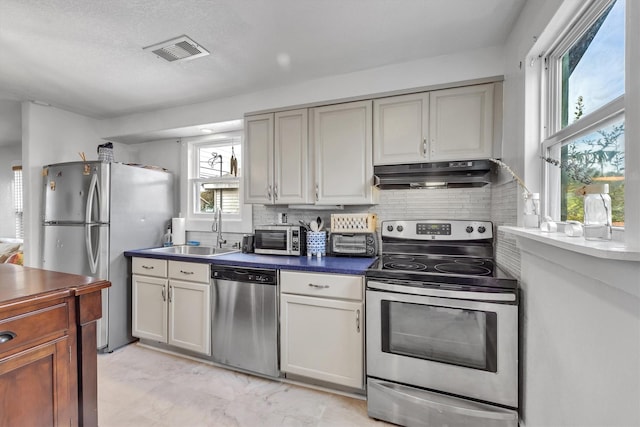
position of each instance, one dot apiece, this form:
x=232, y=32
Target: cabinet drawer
x=149, y=267
x=322, y=285
x=191, y=271
x=50, y=322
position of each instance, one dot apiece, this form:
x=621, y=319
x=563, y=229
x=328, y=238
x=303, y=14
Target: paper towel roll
x=178, y=232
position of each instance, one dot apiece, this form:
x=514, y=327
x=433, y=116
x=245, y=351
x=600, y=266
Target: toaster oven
x=353, y=244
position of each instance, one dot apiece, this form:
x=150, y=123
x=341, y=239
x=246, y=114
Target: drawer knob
x=6, y=336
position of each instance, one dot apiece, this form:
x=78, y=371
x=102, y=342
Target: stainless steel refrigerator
x=92, y=213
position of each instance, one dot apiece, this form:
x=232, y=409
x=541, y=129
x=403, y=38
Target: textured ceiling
x=87, y=56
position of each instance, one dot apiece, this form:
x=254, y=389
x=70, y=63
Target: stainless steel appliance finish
x=442, y=327
x=459, y=174
x=245, y=319
x=92, y=213
x=280, y=239
x=412, y=406
x=353, y=244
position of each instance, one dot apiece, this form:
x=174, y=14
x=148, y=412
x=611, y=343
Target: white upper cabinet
x=343, y=158
x=291, y=172
x=277, y=158
x=449, y=124
x=401, y=129
x=258, y=158
x=461, y=123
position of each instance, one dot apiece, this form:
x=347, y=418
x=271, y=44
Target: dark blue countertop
x=326, y=264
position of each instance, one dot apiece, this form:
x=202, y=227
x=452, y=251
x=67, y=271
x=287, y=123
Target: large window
x=585, y=127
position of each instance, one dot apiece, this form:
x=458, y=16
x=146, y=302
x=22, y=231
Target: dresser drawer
x=34, y=327
x=322, y=285
x=191, y=271
x=149, y=267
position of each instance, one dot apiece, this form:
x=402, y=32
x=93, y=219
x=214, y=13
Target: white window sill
x=612, y=250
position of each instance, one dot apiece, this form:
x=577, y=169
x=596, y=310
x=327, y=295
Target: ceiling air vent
x=179, y=49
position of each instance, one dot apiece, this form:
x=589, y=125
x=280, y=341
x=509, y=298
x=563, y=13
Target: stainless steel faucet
x=217, y=227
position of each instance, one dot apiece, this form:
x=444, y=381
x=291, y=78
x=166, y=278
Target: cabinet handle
x=170, y=288
x=164, y=294
x=358, y=321
x=148, y=267
x=275, y=192
x=317, y=193
x=424, y=147
x=269, y=192
x=6, y=336
x=186, y=272
x=318, y=286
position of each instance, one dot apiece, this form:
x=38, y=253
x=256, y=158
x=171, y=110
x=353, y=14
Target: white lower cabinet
x=322, y=327
x=172, y=303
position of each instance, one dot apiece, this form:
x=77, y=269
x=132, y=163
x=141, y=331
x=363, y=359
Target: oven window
x=455, y=336
x=276, y=240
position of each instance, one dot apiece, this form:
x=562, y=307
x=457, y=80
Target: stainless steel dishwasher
x=245, y=319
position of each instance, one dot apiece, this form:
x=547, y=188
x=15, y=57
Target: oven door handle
x=442, y=293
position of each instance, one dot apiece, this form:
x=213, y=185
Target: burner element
x=403, y=262
x=463, y=268
x=411, y=266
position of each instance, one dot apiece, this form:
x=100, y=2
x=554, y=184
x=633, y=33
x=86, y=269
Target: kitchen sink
x=193, y=250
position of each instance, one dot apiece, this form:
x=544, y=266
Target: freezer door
x=76, y=192
x=76, y=249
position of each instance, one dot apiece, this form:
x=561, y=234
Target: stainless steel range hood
x=459, y=174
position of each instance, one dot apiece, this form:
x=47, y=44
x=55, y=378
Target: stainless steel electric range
x=442, y=327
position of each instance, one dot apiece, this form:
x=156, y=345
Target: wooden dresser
x=48, y=355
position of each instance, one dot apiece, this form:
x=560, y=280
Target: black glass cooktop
x=441, y=269
x=446, y=265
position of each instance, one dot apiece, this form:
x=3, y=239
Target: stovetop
x=438, y=264
x=439, y=251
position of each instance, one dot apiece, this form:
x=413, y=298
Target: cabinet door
x=291, y=182
x=343, y=153
x=258, y=159
x=149, y=308
x=190, y=316
x=35, y=387
x=323, y=339
x=461, y=123
x=401, y=129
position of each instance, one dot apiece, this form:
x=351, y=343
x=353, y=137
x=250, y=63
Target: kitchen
x=558, y=331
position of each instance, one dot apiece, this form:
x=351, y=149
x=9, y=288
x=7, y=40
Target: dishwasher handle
x=246, y=275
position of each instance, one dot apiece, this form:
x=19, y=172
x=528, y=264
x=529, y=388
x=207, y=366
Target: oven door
x=455, y=345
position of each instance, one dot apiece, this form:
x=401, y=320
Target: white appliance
x=92, y=212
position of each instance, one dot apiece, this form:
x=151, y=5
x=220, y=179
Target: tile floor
x=141, y=387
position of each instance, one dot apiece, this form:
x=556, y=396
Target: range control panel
x=438, y=229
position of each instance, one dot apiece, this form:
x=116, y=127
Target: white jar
x=597, y=212
x=532, y=210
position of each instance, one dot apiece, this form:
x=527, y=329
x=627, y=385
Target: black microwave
x=280, y=239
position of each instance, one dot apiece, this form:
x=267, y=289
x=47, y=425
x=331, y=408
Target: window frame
x=18, y=199
x=554, y=135
x=201, y=221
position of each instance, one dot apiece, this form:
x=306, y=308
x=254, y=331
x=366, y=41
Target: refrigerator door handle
x=93, y=259
x=93, y=190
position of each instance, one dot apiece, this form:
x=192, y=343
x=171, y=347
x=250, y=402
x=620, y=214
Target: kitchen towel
x=178, y=231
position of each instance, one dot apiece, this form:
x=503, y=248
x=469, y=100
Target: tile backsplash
x=495, y=203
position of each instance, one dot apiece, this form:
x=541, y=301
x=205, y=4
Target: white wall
x=10, y=155
x=430, y=71
x=581, y=353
